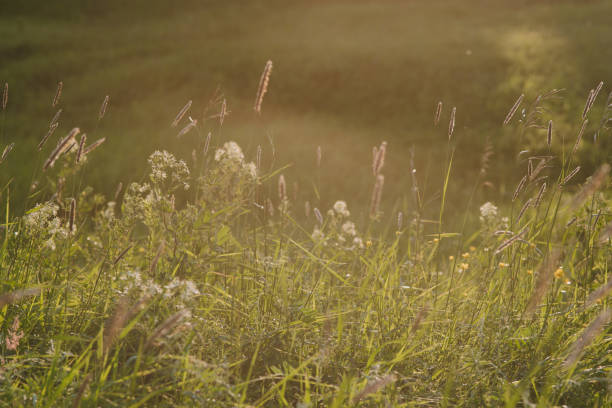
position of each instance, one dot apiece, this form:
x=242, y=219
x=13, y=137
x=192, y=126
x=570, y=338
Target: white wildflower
x=251, y=169
x=164, y=163
x=488, y=211
x=230, y=152
x=50, y=243
x=341, y=208
x=349, y=228
x=358, y=242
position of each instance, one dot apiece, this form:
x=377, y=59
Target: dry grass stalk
x=588, y=104
x=270, y=207
x=258, y=158
x=5, y=96
x=115, y=324
x=599, y=293
x=586, y=338
x=451, y=123
x=118, y=191
x=55, y=118
x=595, y=182
x=418, y=319
x=122, y=254
x=16, y=295
x=6, y=151
x=549, y=133
x=223, y=112
x=485, y=159
x=540, y=195
x=103, y=107
x=187, y=128
x=379, y=158
x=519, y=188
x=591, y=99
x=580, y=133
x=13, y=335
x=376, y=195
x=79, y=154
x=437, y=113
x=400, y=220
x=72, y=216
x=570, y=176
x=529, y=168
x=160, y=250
x=165, y=328
x=60, y=188
x=523, y=209
x=307, y=209
x=296, y=190
x=64, y=145
x=545, y=275
x=93, y=146
x=117, y=321
x=58, y=94
x=318, y=215
x=48, y=135
x=181, y=113
x=263, y=86
x=541, y=164
x=81, y=390
x=207, y=143
x=513, y=109
x=319, y=156
x=282, y=188
x=511, y=240
x=373, y=387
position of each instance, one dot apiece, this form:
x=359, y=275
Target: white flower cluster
x=164, y=166
x=182, y=290
x=344, y=230
x=44, y=222
x=488, y=212
x=340, y=208
x=230, y=156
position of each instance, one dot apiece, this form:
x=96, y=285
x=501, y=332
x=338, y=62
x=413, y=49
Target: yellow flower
x=568, y=282
x=530, y=271
x=559, y=273
x=368, y=243
x=464, y=266
x=503, y=265
x=451, y=258
x=435, y=240
x=398, y=233
x=465, y=255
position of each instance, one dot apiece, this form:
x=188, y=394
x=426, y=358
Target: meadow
x=347, y=75
x=305, y=205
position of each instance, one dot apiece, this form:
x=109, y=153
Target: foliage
x=202, y=286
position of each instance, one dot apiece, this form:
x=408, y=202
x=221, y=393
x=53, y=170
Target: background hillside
x=347, y=75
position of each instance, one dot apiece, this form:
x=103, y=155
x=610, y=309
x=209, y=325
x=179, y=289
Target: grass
x=253, y=274
x=203, y=284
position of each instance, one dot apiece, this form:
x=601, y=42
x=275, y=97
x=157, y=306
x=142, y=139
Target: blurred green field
x=347, y=75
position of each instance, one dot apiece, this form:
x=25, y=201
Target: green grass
x=200, y=283
x=347, y=76
x=203, y=284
